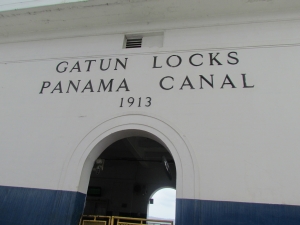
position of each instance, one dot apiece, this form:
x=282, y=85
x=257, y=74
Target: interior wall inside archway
x=126, y=174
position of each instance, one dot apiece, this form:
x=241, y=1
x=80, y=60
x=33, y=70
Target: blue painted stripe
x=28, y=206
x=200, y=212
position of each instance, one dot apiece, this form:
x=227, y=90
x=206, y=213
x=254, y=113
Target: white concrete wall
x=245, y=139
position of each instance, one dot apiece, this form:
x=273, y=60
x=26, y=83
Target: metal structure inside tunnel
x=126, y=174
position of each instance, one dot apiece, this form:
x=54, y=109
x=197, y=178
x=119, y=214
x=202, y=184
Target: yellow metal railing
x=95, y=220
x=117, y=220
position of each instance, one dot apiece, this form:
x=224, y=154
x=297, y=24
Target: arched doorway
x=79, y=163
x=125, y=175
x=162, y=204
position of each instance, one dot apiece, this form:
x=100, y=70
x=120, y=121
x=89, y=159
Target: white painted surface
x=134, y=16
x=244, y=141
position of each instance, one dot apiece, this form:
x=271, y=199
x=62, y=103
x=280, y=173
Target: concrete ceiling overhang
x=96, y=14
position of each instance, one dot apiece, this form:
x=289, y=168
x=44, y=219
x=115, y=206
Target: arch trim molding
x=78, y=166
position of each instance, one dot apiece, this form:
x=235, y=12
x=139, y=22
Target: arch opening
x=125, y=176
x=162, y=204
x=80, y=162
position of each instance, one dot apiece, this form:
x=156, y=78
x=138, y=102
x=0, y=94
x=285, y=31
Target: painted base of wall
x=28, y=206
x=202, y=212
